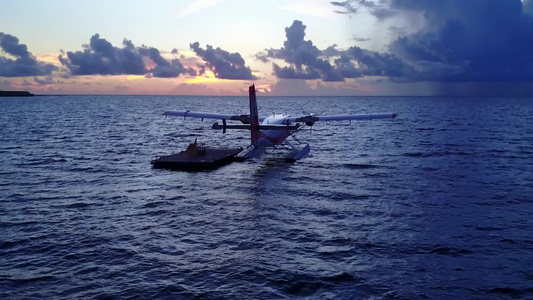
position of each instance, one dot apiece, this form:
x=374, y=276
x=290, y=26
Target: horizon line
x=269, y=95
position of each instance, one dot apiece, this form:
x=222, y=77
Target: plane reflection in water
x=274, y=130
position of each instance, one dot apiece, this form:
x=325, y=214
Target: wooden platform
x=209, y=159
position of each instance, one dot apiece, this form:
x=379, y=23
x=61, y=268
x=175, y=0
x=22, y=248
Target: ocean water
x=436, y=204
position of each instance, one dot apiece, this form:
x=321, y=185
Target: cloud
x=121, y=88
x=292, y=73
x=528, y=6
x=360, y=39
x=225, y=65
x=293, y=87
x=44, y=81
x=197, y=5
x=378, y=8
x=460, y=41
x=495, y=45
x=100, y=57
x=10, y=45
x=163, y=68
x=302, y=56
x=290, y=87
x=306, y=61
x=25, y=63
x=344, y=7
x=5, y=85
x=193, y=89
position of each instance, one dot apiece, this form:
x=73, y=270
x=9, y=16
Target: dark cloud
x=164, y=68
x=378, y=64
x=460, y=41
x=495, y=45
x=100, y=57
x=344, y=7
x=5, y=85
x=347, y=68
x=25, y=63
x=44, y=81
x=383, y=13
x=331, y=51
x=172, y=69
x=360, y=39
x=10, y=45
x=225, y=65
x=292, y=73
x=267, y=55
x=528, y=6
x=306, y=61
x=379, y=8
x=127, y=43
x=302, y=56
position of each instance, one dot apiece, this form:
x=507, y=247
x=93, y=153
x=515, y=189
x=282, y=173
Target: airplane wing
x=207, y=115
x=312, y=119
x=197, y=114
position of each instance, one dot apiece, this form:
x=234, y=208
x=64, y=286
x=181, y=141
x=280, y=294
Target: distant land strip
x=15, y=94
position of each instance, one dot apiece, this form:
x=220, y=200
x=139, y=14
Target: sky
x=291, y=47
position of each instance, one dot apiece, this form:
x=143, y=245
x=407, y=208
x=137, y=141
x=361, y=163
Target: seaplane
x=272, y=131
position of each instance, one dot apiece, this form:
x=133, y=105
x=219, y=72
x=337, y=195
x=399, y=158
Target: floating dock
x=197, y=159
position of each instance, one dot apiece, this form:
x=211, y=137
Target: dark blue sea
x=435, y=204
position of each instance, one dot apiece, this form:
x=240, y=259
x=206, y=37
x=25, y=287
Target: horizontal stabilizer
x=312, y=119
x=261, y=127
x=357, y=117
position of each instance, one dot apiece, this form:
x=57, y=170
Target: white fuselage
x=269, y=138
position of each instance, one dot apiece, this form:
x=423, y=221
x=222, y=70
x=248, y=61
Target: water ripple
x=427, y=206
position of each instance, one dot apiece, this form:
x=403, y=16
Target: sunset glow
x=209, y=76
x=292, y=47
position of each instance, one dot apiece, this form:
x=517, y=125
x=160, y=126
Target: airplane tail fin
x=254, y=116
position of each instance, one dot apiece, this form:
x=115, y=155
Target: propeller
x=309, y=118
